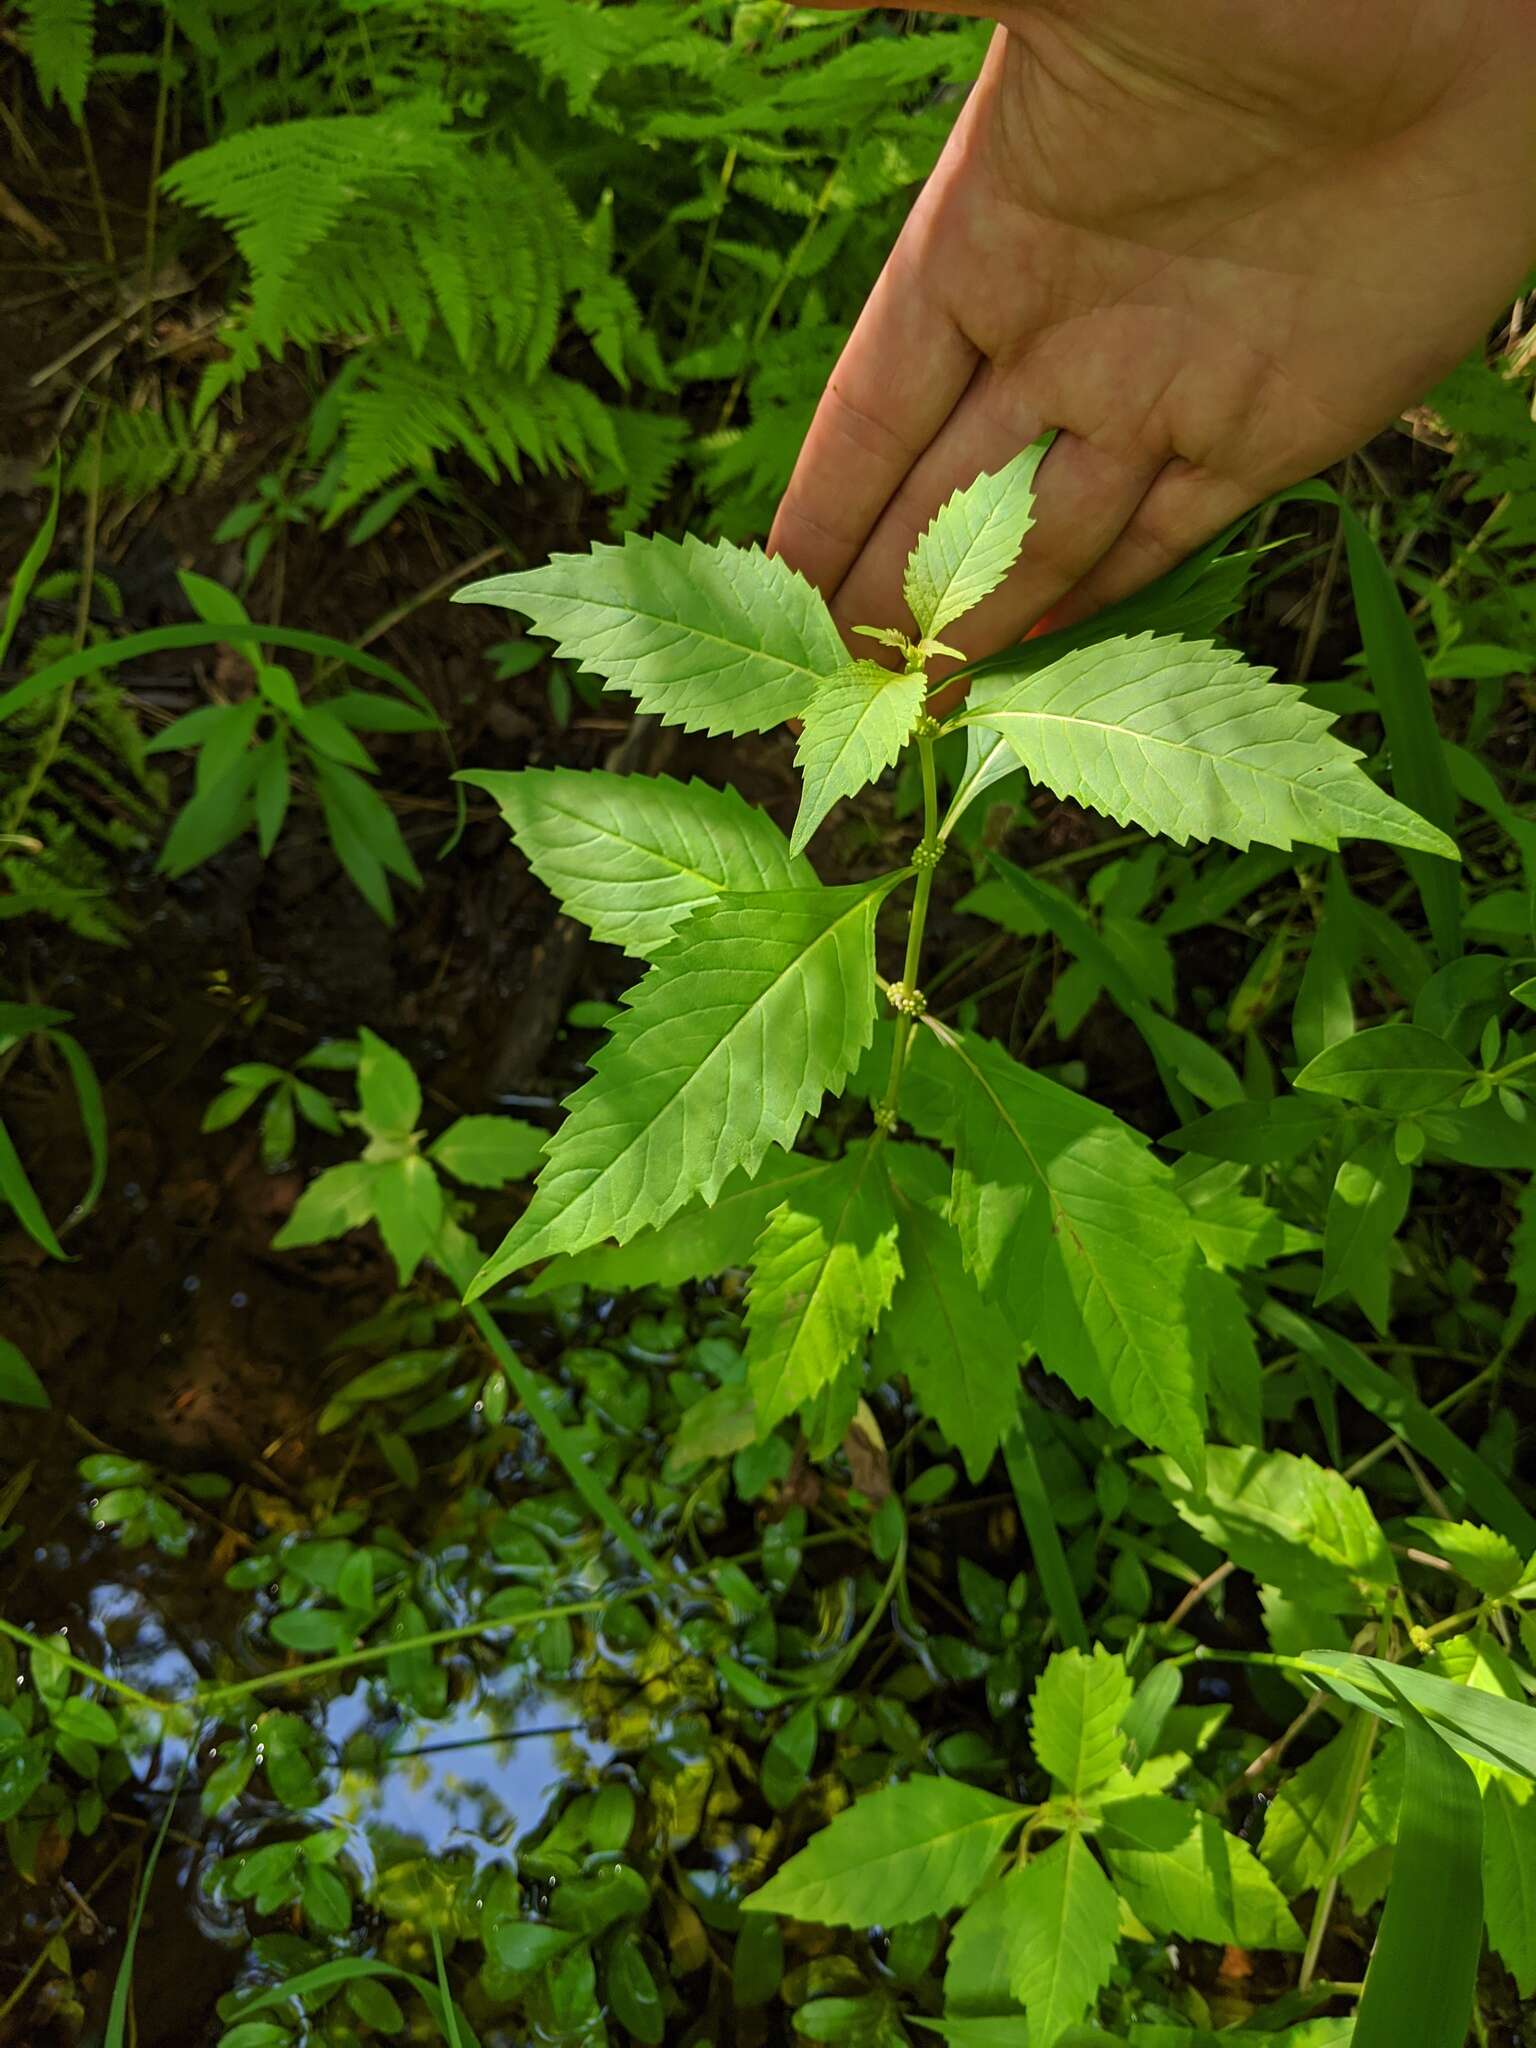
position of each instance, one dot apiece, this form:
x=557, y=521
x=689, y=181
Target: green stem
x=1362, y=1742
x=81, y=1668
x=375, y=1653
x=1045, y=1539
x=564, y=1448
x=919, y=918
x=217, y=1696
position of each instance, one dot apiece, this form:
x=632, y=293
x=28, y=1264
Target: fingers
x=1185, y=507
x=1085, y=497
x=904, y=367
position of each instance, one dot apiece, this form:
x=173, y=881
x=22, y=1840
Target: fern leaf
x=60, y=38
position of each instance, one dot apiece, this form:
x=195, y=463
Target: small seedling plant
x=990, y=1212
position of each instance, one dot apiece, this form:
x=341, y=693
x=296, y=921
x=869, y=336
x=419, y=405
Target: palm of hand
x=1171, y=234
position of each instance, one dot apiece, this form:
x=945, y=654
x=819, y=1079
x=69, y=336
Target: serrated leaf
x=955, y=1347
x=1069, y=1222
x=1181, y=1872
x=715, y=639
x=488, y=1151
x=759, y=1005
x=1291, y=1523
x=1189, y=740
x=696, y=1243
x=1078, y=1704
x=630, y=855
x=973, y=542
x=1483, y=1557
x=856, y=724
x=1066, y=1922
x=898, y=1854
x=823, y=1271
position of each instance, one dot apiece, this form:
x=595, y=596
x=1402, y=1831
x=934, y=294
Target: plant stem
x=81, y=1668
x=374, y=1653
x=1362, y=1742
x=564, y=1449
x=917, y=921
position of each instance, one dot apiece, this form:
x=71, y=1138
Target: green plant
x=245, y=765
x=495, y=244
x=1121, y=1842
x=396, y=1183
x=1056, y=1229
x=20, y=1023
x=289, y=1097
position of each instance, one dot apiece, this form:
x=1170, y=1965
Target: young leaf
x=825, y=1266
x=954, y=1345
x=1509, y=1877
x=408, y=1202
x=898, y=1854
x=1189, y=740
x=1423, y=1970
x=718, y=639
x=1365, y=1210
x=1293, y=1524
x=336, y=1201
x=1066, y=1920
x=387, y=1088
x=488, y=1151
x=1398, y=1068
x=1066, y=1219
x=856, y=724
x=973, y=542
x=701, y=1240
x=757, y=1007
x=1181, y=1872
x=629, y=855
x=1484, y=1558
x=1075, y=1714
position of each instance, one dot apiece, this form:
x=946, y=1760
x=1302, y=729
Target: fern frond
x=280, y=190
x=401, y=412
x=60, y=38
x=650, y=448
x=149, y=451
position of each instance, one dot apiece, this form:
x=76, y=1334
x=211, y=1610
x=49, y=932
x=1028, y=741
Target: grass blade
x=116, y=2035
x=448, y=2018
x=93, y=1116
x=1400, y=1411
x=1420, y=773
x=1423, y=1972
x=31, y=563
x=22, y=1196
x=1045, y=1540
x=69, y=668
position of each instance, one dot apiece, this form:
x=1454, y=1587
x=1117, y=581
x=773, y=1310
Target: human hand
x=1217, y=243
